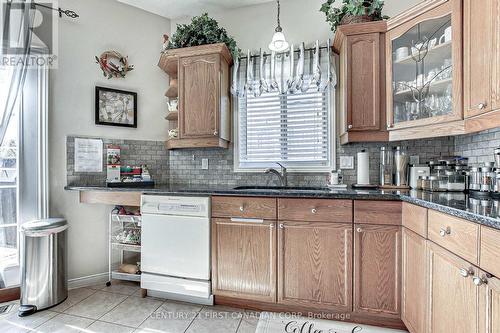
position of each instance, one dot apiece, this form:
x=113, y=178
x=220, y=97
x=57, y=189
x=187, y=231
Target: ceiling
x=179, y=8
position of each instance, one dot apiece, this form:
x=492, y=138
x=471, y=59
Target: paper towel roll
x=363, y=175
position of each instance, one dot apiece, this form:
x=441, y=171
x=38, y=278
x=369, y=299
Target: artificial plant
x=202, y=30
x=352, y=8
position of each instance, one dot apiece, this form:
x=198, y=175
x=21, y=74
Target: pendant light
x=278, y=43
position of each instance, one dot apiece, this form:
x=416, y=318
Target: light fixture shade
x=278, y=43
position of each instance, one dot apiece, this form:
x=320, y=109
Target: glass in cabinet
x=425, y=67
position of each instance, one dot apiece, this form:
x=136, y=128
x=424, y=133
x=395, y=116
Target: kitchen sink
x=281, y=188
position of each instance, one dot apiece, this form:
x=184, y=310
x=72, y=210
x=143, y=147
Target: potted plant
x=201, y=31
x=352, y=11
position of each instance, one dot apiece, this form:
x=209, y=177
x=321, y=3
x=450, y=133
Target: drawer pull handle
x=359, y=230
x=314, y=211
x=444, y=231
x=479, y=281
x=349, y=127
x=466, y=272
x=242, y=208
x=282, y=226
x=216, y=133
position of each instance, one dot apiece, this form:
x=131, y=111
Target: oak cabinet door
x=495, y=72
x=199, y=91
x=489, y=305
x=478, y=38
x=364, y=90
x=315, y=265
x=244, y=259
x=414, y=281
x=453, y=297
x=377, y=254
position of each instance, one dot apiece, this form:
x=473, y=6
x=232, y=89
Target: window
x=293, y=129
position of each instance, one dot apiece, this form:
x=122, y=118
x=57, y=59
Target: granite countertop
x=482, y=211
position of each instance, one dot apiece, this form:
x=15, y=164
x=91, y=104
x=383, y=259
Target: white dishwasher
x=175, y=247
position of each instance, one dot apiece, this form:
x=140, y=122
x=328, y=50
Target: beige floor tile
x=96, y=305
x=74, y=296
x=132, y=312
x=63, y=323
x=249, y=322
x=13, y=323
x=216, y=319
x=102, y=327
x=171, y=317
x=122, y=287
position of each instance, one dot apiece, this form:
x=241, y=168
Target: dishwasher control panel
x=175, y=205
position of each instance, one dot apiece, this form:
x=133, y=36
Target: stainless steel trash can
x=43, y=265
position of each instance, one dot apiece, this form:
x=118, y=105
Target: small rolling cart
x=124, y=244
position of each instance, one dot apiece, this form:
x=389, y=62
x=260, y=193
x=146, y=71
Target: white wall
x=103, y=25
x=252, y=27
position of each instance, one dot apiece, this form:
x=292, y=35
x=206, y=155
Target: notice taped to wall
x=88, y=155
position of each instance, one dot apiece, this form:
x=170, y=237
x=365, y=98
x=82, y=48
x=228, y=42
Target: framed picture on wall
x=115, y=107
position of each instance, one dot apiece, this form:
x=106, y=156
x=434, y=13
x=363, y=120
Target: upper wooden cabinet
x=424, y=71
x=362, y=81
x=481, y=64
x=202, y=85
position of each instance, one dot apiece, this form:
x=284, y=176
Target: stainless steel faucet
x=281, y=175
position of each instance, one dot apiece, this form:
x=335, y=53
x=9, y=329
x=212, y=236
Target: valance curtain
x=17, y=23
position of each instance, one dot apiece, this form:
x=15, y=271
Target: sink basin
x=281, y=188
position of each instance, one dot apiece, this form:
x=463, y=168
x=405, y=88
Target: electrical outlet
x=204, y=163
x=346, y=162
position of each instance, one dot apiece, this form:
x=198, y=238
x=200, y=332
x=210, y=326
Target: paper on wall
x=88, y=155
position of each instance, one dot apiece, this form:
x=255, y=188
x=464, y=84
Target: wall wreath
x=113, y=64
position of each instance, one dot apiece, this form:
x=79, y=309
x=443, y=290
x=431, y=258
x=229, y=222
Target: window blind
x=293, y=129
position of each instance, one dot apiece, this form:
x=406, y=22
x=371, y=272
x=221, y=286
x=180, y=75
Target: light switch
x=204, y=163
x=346, y=162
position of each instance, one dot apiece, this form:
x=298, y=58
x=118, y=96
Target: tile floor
x=120, y=309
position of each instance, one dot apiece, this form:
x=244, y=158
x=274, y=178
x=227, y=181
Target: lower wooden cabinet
x=377, y=256
x=315, y=265
x=414, y=281
x=453, y=297
x=489, y=305
x=244, y=259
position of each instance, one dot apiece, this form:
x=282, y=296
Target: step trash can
x=44, y=281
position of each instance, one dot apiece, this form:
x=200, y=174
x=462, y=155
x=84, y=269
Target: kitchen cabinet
x=489, y=304
x=315, y=265
x=361, y=81
x=244, y=258
x=453, y=297
x=481, y=64
x=377, y=256
x=414, y=281
x=202, y=85
x=424, y=71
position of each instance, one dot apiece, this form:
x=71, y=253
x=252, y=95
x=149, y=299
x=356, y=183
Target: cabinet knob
x=349, y=126
x=479, y=281
x=466, y=272
x=282, y=226
x=314, y=211
x=216, y=133
x=242, y=208
x=444, y=231
x=481, y=106
x=359, y=230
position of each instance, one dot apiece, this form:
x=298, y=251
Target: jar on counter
x=486, y=179
x=442, y=178
x=474, y=179
x=455, y=181
x=420, y=182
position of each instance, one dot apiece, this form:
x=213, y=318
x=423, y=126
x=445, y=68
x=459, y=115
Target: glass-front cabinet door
x=424, y=68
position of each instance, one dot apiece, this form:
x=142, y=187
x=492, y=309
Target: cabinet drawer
x=415, y=218
x=457, y=235
x=490, y=250
x=245, y=207
x=377, y=212
x=320, y=210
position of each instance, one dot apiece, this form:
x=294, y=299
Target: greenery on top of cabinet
x=352, y=11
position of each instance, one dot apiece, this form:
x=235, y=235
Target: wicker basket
x=351, y=19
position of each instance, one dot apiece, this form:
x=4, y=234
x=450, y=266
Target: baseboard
x=87, y=281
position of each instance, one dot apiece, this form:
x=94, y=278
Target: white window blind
x=293, y=129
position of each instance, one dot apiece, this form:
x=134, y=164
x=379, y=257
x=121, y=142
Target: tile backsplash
x=478, y=147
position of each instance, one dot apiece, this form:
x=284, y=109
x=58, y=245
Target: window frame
x=331, y=107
